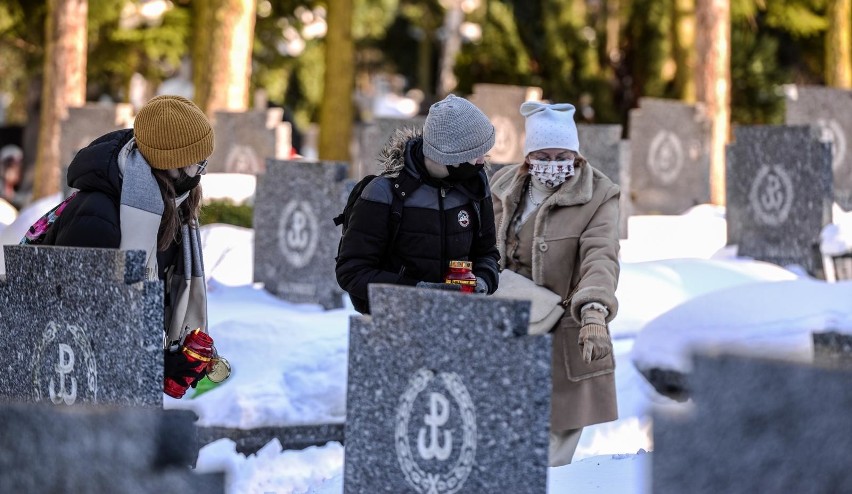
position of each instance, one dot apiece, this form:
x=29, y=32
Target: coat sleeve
x=363, y=249
x=599, y=268
x=485, y=254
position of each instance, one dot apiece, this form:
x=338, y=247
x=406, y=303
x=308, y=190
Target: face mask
x=552, y=173
x=185, y=183
x=462, y=172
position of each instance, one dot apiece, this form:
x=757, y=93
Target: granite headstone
x=244, y=140
x=757, y=426
x=295, y=238
x=98, y=450
x=80, y=326
x=833, y=349
x=502, y=103
x=372, y=138
x=446, y=394
x=669, y=157
x=831, y=110
x=778, y=193
x=86, y=123
x=603, y=147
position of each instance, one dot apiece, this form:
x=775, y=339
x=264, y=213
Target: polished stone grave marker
x=86, y=123
x=90, y=449
x=669, y=157
x=831, y=110
x=502, y=103
x=244, y=140
x=603, y=147
x=295, y=238
x=778, y=194
x=757, y=426
x=447, y=393
x=80, y=326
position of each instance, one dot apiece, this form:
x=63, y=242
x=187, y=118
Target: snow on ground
x=236, y=187
x=679, y=286
x=8, y=213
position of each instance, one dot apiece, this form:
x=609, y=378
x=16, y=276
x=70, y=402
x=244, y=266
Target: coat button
x=542, y=247
x=396, y=186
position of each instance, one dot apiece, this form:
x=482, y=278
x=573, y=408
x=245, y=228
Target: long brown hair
x=172, y=216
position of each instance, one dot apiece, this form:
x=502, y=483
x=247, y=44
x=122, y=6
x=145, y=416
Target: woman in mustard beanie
x=138, y=190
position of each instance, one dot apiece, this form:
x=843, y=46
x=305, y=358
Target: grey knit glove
x=594, y=340
x=481, y=285
x=438, y=286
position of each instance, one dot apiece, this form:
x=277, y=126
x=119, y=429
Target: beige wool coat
x=574, y=253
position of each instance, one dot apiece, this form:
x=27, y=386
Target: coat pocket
x=575, y=367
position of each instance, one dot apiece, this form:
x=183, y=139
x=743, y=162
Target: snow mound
x=8, y=213
x=764, y=319
x=648, y=289
x=238, y=187
x=228, y=253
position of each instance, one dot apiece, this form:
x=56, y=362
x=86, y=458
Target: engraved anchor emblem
x=298, y=236
x=63, y=367
x=773, y=196
x=439, y=412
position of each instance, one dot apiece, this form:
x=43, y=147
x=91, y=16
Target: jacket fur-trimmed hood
x=392, y=155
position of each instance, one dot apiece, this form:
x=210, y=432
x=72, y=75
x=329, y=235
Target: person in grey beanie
x=436, y=175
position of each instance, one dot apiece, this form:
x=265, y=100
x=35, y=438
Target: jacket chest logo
x=464, y=219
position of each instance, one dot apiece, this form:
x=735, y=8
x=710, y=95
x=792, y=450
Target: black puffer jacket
x=440, y=222
x=92, y=218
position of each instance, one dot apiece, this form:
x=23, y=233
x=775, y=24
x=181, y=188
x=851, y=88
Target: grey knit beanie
x=456, y=131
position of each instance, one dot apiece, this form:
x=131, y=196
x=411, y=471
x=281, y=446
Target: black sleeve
x=485, y=254
x=363, y=249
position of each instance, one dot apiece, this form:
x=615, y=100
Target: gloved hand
x=438, y=286
x=176, y=366
x=595, y=342
x=481, y=285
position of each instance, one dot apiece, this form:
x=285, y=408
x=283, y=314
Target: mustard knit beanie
x=172, y=132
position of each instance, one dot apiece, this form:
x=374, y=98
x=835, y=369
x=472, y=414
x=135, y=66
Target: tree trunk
x=222, y=52
x=336, y=109
x=683, y=23
x=713, y=83
x=838, y=44
x=64, y=85
x=451, y=45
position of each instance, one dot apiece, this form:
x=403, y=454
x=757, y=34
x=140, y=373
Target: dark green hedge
x=225, y=211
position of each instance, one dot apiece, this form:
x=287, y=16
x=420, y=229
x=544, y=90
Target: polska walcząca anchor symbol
x=64, y=366
x=298, y=236
x=773, y=196
x=439, y=413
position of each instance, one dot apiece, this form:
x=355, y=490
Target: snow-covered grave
x=447, y=393
x=295, y=238
x=787, y=423
x=99, y=449
x=80, y=326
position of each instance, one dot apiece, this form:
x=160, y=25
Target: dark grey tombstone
x=669, y=157
x=831, y=110
x=86, y=123
x=778, y=193
x=244, y=140
x=99, y=450
x=603, y=147
x=757, y=426
x=833, y=349
x=80, y=326
x=446, y=394
x=372, y=138
x=502, y=103
x=295, y=239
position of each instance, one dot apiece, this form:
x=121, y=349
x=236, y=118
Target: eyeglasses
x=202, y=167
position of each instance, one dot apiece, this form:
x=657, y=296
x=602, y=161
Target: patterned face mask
x=552, y=173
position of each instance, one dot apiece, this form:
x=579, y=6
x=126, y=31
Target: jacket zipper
x=444, y=263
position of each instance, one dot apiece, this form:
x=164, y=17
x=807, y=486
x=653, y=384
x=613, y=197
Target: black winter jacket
x=440, y=223
x=92, y=218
